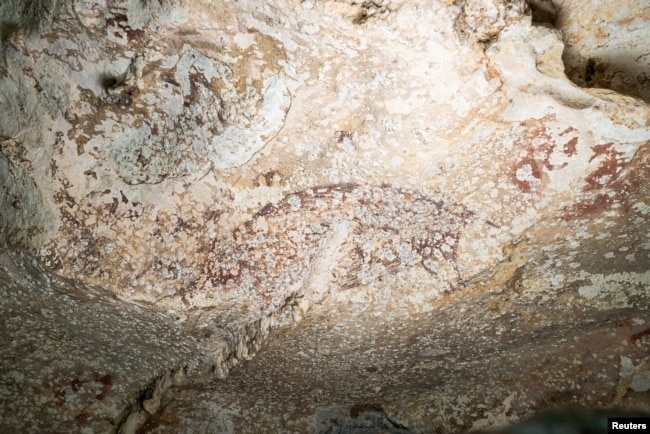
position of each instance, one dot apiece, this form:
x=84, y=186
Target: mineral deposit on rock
x=324, y=216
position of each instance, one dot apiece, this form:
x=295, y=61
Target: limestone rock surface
x=322, y=216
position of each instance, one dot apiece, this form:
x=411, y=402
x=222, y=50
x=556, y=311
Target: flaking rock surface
x=321, y=215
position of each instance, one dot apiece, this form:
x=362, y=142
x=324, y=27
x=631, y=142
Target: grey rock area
x=323, y=216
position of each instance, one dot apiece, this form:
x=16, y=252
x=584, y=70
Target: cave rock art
x=324, y=216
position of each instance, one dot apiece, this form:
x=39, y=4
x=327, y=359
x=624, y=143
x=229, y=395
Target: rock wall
x=453, y=197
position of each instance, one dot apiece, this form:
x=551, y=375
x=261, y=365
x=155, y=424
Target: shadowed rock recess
x=322, y=216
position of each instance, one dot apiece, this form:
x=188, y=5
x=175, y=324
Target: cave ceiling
x=322, y=216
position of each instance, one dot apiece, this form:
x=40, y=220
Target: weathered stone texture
x=447, y=201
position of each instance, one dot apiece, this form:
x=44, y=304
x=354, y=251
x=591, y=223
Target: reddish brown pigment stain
x=638, y=170
x=120, y=21
x=567, y=131
x=76, y=383
x=59, y=397
x=106, y=382
x=639, y=335
x=632, y=179
x=600, y=150
x=585, y=207
x=296, y=225
x=535, y=172
x=608, y=169
x=605, y=172
x=569, y=147
x=539, y=146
